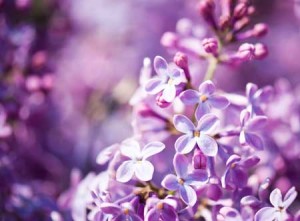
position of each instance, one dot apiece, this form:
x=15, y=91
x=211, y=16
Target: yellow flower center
x=181, y=181
x=196, y=134
x=203, y=98
x=170, y=81
x=126, y=211
x=160, y=206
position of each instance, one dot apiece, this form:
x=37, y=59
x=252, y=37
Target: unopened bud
x=261, y=51
x=169, y=40
x=246, y=52
x=260, y=30
x=199, y=160
x=210, y=45
x=240, y=10
x=206, y=9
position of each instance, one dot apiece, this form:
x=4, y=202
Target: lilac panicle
x=205, y=98
x=166, y=81
x=138, y=164
x=278, y=211
x=196, y=135
x=184, y=181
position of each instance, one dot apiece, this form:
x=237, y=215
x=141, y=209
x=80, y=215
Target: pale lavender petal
x=155, y=86
x=197, y=177
x=181, y=163
x=242, y=138
x=265, y=214
x=254, y=141
x=232, y=159
x=188, y=195
x=289, y=197
x=105, y=155
x=190, y=97
x=201, y=110
x=256, y=123
x=110, y=208
x=123, y=217
x=183, y=124
x=170, y=182
x=169, y=93
x=244, y=117
x=185, y=144
x=250, y=201
x=218, y=101
x=207, y=88
x=144, y=170
x=130, y=148
x=125, y=171
x=230, y=214
x=208, y=145
x=152, y=148
x=207, y=123
x=152, y=215
x=250, y=90
x=276, y=198
x=265, y=94
x=249, y=162
x=177, y=76
x=160, y=66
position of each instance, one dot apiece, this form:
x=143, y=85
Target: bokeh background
x=69, y=67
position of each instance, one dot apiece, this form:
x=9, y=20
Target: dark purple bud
x=206, y=9
x=210, y=45
x=169, y=40
x=240, y=10
x=260, y=30
x=246, y=52
x=214, y=192
x=261, y=51
x=181, y=60
x=199, y=160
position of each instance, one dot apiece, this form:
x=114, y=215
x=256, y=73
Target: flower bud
x=169, y=40
x=246, y=52
x=240, y=10
x=260, y=30
x=210, y=45
x=206, y=9
x=214, y=192
x=261, y=51
x=181, y=60
x=199, y=160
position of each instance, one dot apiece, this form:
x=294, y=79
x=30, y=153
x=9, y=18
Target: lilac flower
x=164, y=210
x=166, y=81
x=196, y=135
x=257, y=97
x=138, y=163
x=120, y=213
x=235, y=174
x=184, y=181
x=205, y=98
x=249, y=128
x=5, y=129
x=278, y=211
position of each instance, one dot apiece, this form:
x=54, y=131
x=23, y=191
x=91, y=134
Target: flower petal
x=170, y=182
x=169, y=93
x=256, y=123
x=276, y=198
x=152, y=148
x=244, y=117
x=249, y=162
x=190, y=97
x=188, y=195
x=106, y=154
x=144, y=170
x=265, y=214
x=202, y=109
x=265, y=94
x=198, y=177
x=130, y=148
x=154, y=86
x=160, y=66
x=125, y=171
x=181, y=163
x=152, y=215
x=207, y=123
x=250, y=90
x=218, y=101
x=185, y=144
x=183, y=124
x=207, y=88
x=208, y=145
x=110, y=208
x=177, y=76
x=289, y=197
x=254, y=141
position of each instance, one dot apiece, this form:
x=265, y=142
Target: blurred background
x=69, y=67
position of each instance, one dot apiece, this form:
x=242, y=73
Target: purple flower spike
x=184, y=181
x=120, y=213
x=249, y=129
x=166, y=81
x=138, y=165
x=278, y=211
x=196, y=135
x=205, y=98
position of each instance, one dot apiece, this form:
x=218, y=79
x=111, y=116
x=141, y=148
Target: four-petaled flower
x=196, y=135
x=249, y=128
x=121, y=212
x=205, y=98
x=184, y=181
x=166, y=81
x=278, y=211
x=138, y=163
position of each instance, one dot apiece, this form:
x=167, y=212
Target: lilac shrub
x=207, y=154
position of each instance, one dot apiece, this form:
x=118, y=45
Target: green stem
x=212, y=65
